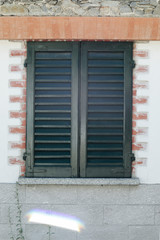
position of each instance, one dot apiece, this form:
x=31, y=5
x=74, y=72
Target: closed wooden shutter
x=54, y=83
x=79, y=109
x=106, y=109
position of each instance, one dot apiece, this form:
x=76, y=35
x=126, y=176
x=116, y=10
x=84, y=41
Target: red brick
x=23, y=168
x=23, y=107
x=140, y=116
x=15, y=68
x=24, y=76
x=18, y=145
x=134, y=76
x=17, y=130
x=17, y=161
x=136, y=147
x=141, y=69
x=23, y=139
x=20, y=84
x=133, y=123
x=17, y=53
x=133, y=139
x=139, y=131
x=23, y=122
x=140, y=54
x=138, y=85
x=137, y=163
x=134, y=109
x=140, y=100
x=17, y=114
x=18, y=99
x=134, y=92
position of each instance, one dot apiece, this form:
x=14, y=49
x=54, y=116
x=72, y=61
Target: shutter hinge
x=132, y=156
x=133, y=64
x=24, y=156
x=25, y=63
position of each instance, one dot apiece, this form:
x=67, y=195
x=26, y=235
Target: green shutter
x=52, y=109
x=79, y=109
x=106, y=110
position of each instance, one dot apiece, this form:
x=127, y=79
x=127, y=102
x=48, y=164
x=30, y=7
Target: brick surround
x=20, y=114
x=140, y=118
x=140, y=105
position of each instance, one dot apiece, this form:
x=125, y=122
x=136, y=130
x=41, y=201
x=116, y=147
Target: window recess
x=79, y=109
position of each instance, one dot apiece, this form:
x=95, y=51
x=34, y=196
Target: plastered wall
x=146, y=113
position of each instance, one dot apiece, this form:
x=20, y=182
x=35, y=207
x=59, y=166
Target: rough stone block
x=88, y=214
x=5, y=231
x=144, y=194
x=125, y=9
x=8, y=193
x=154, y=2
x=104, y=233
x=145, y=233
x=103, y=194
x=110, y=3
x=51, y=194
x=157, y=10
x=157, y=215
x=39, y=232
x=14, y=10
x=129, y=215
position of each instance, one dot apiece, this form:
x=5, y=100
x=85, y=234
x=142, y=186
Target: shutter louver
x=79, y=109
x=52, y=108
x=105, y=108
x=51, y=71
x=105, y=77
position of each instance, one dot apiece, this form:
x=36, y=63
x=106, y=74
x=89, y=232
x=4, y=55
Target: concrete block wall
x=107, y=212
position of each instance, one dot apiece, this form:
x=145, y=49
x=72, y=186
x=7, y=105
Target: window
x=79, y=109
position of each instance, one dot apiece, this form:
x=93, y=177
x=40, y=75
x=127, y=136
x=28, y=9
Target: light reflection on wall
x=55, y=219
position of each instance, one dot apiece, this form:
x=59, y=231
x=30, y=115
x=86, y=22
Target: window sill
x=79, y=181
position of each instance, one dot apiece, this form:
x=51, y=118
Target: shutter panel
x=53, y=113
x=106, y=110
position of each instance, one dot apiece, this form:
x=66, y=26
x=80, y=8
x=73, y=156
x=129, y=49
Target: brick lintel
x=79, y=28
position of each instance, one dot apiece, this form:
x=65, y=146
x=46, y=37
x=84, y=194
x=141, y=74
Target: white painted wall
x=153, y=166
x=148, y=173
x=8, y=173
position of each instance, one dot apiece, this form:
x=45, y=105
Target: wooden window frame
x=78, y=166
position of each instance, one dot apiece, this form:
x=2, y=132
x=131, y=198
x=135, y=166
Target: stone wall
x=108, y=212
x=137, y=8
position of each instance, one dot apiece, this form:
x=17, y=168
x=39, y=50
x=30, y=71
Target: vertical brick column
x=140, y=105
x=17, y=115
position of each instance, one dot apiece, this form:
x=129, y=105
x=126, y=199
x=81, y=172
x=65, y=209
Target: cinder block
x=104, y=233
x=144, y=194
x=129, y=215
x=103, y=194
x=87, y=214
x=157, y=215
x=5, y=231
x=143, y=233
x=8, y=193
x=10, y=214
x=50, y=194
x=40, y=232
